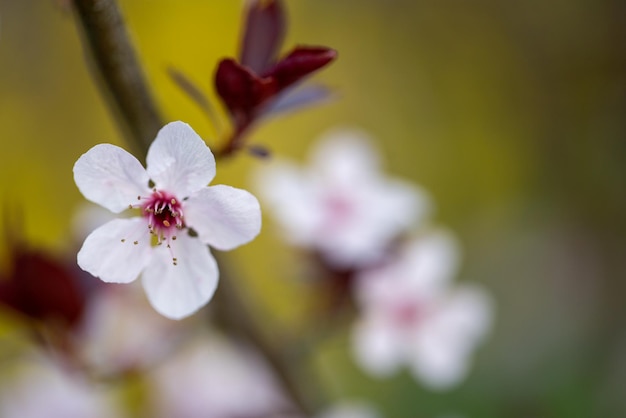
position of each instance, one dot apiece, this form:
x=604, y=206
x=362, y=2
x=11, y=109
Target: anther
x=166, y=223
x=136, y=242
x=123, y=239
x=174, y=238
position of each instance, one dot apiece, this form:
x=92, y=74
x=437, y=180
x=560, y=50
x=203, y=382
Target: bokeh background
x=511, y=114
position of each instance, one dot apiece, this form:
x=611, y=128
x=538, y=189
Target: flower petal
x=111, y=177
x=345, y=157
x=179, y=161
x=377, y=348
x=445, y=341
x=177, y=291
x=110, y=252
x=431, y=261
x=224, y=217
x=291, y=197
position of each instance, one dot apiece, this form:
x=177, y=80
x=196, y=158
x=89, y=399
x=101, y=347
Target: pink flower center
x=164, y=213
x=406, y=314
x=339, y=210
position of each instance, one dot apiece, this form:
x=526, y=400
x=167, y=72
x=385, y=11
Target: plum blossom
x=341, y=206
x=43, y=388
x=413, y=315
x=178, y=216
x=214, y=377
x=120, y=332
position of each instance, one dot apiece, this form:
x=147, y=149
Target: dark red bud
x=42, y=288
x=264, y=32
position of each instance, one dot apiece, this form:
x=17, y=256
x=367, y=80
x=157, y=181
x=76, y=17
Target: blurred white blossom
x=44, y=388
x=172, y=197
x=213, y=377
x=341, y=204
x=412, y=314
x=120, y=332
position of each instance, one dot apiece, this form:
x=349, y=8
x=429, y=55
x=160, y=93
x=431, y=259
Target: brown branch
x=231, y=313
x=114, y=60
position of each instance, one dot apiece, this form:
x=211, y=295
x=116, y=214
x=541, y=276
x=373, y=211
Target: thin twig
x=118, y=68
x=232, y=314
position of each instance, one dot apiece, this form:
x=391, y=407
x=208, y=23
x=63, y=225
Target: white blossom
x=341, y=205
x=120, y=332
x=178, y=216
x=42, y=387
x=213, y=378
x=412, y=314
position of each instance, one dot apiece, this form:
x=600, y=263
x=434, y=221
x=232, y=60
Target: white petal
x=111, y=177
x=223, y=216
x=445, y=342
x=110, y=252
x=376, y=347
x=179, y=161
x=292, y=198
x=177, y=291
x=431, y=261
x=346, y=155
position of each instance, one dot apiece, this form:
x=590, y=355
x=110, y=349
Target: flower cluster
x=410, y=312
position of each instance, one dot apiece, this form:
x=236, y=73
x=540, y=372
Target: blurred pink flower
x=341, y=205
x=180, y=276
x=121, y=333
x=412, y=314
x=43, y=388
x=213, y=377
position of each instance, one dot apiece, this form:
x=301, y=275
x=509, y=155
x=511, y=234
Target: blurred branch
x=233, y=314
x=121, y=77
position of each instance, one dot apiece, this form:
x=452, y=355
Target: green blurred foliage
x=510, y=113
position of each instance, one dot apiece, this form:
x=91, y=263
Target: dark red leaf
x=299, y=63
x=240, y=88
x=264, y=32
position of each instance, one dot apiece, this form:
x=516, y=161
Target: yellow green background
x=511, y=114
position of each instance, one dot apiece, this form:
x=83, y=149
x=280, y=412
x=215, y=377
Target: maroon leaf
x=264, y=32
x=299, y=63
x=240, y=88
x=42, y=288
